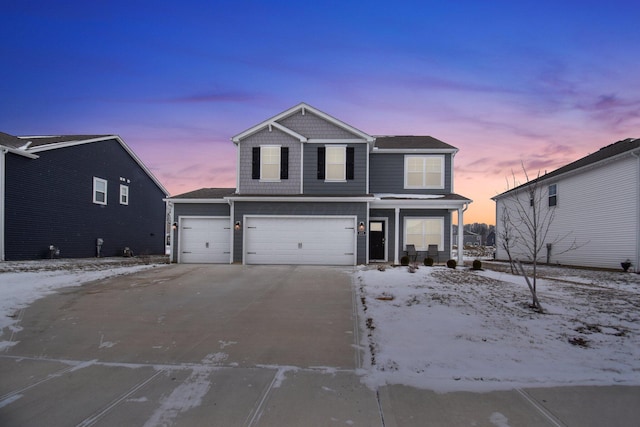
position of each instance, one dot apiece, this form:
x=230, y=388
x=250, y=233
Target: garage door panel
x=205, y=240
x=300, y=240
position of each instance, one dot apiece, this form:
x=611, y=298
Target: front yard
x=446, y=330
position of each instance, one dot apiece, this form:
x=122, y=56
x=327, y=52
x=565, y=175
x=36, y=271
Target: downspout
x=3, y=205
x=461, y=233
x=637, y=263
x=232, y=228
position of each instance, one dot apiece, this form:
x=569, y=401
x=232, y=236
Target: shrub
x=428, y=261
x=404, y=260
x=477, y=265
x=452, y=263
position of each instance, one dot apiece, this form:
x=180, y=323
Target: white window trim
x=326, y=163
x=97, y=180
x=549, y=196
x=424, y=186
x=279, y=147
x=438, y=218
x=124, y=190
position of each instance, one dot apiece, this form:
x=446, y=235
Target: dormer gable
x=308, y=124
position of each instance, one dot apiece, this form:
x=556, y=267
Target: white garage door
x=204, y=240
x=300, y=240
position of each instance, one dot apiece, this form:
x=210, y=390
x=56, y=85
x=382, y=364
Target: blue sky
x=506, y=82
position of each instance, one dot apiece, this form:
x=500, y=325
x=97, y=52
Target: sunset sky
x=543, y=82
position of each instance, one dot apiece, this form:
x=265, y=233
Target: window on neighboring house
x=124, y=194
x=270, y=163
x=336, y=163
x=99, y=191
x=423, y=232
x=424, y=172
x=553, y=195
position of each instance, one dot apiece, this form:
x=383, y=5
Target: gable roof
x=29, y=145
x=609, y=152
x=411, y=142
x=302, y=107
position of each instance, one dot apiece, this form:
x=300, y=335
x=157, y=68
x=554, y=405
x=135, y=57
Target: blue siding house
x=312, y=189
x=80, y=195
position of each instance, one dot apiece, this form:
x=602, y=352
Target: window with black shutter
x=284, y=163
x=321, y=156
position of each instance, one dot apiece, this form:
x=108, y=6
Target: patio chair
x=412, y=253
x=432, y=252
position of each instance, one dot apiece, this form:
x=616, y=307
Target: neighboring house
x=491, y=239
x=312, y=189
x=66, y=192
x=596, y=204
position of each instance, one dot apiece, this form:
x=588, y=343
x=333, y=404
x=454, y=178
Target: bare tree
x=506, y=236
x=530, y=219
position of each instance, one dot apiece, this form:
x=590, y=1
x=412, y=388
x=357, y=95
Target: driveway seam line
x=94, y=418
x=541, y=409
x=37, y=383
x=257, y=413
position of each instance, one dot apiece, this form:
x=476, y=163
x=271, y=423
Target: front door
x=376, y=240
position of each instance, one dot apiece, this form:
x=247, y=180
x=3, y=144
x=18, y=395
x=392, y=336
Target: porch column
x=460, y=236
x=397, y=238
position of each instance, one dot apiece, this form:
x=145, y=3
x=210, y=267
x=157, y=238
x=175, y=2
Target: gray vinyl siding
x=247, y=185
x=195, y=209
x=49, y=201
x=407, y=213
x=313, y=185
x=391, y=228
x=299, y=208
x=386, y=175
x=312, y=126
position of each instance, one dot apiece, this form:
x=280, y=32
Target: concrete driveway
x=228, y=345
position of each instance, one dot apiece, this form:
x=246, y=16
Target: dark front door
x=376, y=240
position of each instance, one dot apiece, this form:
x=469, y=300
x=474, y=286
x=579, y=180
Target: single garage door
x=300, y=240
x=204, y=240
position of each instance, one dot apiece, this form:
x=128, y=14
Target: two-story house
x=77, y=196
x=312, y=189
x=588, y=211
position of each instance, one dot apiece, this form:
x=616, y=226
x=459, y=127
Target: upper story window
x=336, y=163
x=99, y=191
x=270, y=163
x=424, y=172
x=553, y=195
x=124, y=194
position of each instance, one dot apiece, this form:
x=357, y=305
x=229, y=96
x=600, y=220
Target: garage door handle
x=251, y=253
x=206, y=245
x=186, y=252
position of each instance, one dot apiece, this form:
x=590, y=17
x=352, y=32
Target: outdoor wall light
x=174, y=225
x=237, y=226
x=361, y=226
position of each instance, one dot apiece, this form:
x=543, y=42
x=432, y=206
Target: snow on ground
x=448, y=330
x=23, y=282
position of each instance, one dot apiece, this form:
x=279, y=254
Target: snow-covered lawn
x=22, y=283
x=446, y=330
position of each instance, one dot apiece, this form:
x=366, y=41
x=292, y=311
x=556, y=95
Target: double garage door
x=300, y=240
x=307, y=240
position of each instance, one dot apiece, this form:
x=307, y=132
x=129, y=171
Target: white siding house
x=595, y=207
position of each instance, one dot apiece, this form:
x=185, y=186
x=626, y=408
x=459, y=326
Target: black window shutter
x=284, y=163
x=321, y=162
x=255, y=165
x=350, y=162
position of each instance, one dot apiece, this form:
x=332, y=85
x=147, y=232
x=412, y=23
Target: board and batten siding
x=247, y=185
x=598, y=208
x=386, y=172
x=195, y=209
x=299, y=208
x=313, y=185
